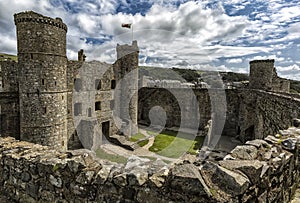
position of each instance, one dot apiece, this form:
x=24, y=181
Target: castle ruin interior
x=49, y=100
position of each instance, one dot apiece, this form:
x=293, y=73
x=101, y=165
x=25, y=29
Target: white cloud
x=167, y=35
x=235, y=60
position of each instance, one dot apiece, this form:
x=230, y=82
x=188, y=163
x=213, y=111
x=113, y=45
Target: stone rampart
x=259, y=171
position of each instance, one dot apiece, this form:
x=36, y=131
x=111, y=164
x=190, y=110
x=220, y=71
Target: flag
x=127, y=25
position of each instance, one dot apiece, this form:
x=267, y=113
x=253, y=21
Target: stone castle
x=37, y=92
x=49, y=100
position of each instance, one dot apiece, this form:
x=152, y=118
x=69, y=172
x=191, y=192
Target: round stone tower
x=42, y=79
x=261, y=74
x=126, y=73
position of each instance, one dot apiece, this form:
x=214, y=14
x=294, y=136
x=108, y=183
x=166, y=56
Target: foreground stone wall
x=259, y=171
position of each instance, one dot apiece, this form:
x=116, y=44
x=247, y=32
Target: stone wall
x=259, y=171
x=267, y=112
x=250, y=114
x=9, y=100
x=182, y=110
x=263, y=76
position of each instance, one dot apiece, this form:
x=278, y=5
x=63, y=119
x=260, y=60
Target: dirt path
x=151, y=139
x=116, y=150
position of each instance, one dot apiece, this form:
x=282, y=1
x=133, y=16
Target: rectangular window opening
x=113, y=84
x=97, y=106
x=77, y=109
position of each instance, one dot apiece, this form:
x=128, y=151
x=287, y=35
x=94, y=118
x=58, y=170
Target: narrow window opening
x=90, y=112
x=77, y=109
x=31, y=56
x=97, y=84
x=113, y=84
x=45, y=110
x=43, y=81
x=54, y=83
x=77, y=84
x=97, y=106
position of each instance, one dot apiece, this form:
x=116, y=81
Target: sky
x=219, y=35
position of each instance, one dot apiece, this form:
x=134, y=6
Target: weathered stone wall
x=267, y=112
x=9, y=100
x=9, y=115
x=260, y=171
x=250, y=114
x=208, y=102
x=43, y=79
x=91, y=97
x=9, y=76
x=263, y=76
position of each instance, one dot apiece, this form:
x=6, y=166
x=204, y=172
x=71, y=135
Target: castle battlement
x=123, y=50
x=30, y=16
x=263, y=61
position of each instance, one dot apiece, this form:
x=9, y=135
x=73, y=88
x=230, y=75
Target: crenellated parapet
x=30, y=16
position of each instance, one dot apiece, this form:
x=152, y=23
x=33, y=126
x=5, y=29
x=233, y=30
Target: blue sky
x=212, y=35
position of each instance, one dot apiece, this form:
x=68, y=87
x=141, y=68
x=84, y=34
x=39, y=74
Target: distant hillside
x=234, y=77
x=295, y=86
x=193, y=75
x=4, y=57
x=159, y=73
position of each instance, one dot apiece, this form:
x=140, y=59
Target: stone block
x=187, y=179
x=226, y=180
x=252, y=169
x=245, y=152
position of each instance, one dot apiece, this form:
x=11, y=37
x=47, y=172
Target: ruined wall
x=280, y=84
x=262, y=171
x=72, y=70
x=206, y=104
x=9, y=100
x=263, y=113
x=9, y=76
x=42, y=79
x=263, y=76
x=9, y=115
x=92, y=97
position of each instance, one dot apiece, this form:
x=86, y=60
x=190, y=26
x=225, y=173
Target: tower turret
x=261, y=74
x=126, y=75
x=42, y=79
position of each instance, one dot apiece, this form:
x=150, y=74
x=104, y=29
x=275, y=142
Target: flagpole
x=132, y=32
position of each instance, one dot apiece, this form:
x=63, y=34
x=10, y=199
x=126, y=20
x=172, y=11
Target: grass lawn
x=137, y=137
x=114, y=158
x=167, y=144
